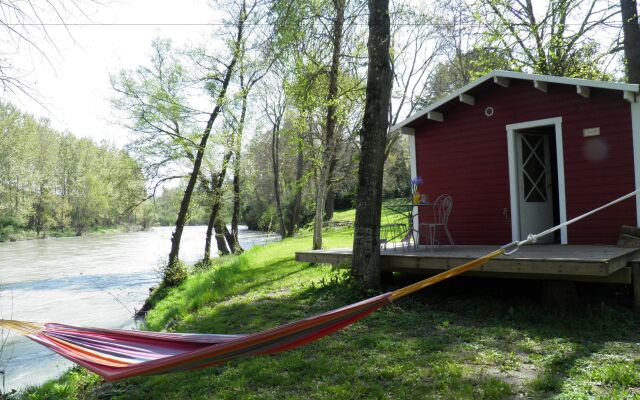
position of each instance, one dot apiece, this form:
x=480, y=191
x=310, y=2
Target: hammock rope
x=118, y=354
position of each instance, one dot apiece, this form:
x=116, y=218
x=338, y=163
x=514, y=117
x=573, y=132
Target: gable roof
x=498, y=76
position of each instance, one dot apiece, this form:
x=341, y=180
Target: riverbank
x=462, y=339
x=10, y=234
x=105, y=278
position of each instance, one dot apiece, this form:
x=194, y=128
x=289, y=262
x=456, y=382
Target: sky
x=72, y=83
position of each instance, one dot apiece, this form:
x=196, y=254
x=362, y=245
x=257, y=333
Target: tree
x=237, y=153
x=298, y=183
x=453, y=73
x=66, y=174
x=328, y=151
x=555, y=41
x=155, y=101
x=298, y=72
x=253, y=62
x=631, y=31
x=275, y=107
x=213, y=187
x=220, y=99
x=50, y=181
x=23, y=22
x=324, y=89
x=250, y=73
x=417, y=41
x=42, y=218
x=373, y=138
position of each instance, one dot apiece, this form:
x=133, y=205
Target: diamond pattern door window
x=533, y=168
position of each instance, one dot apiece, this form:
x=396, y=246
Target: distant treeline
x=52, y=181
x=164, y=208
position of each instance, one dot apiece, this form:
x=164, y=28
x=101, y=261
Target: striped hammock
x=119, y=354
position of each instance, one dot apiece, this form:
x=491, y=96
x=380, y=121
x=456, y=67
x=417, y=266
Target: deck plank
x=541, y=260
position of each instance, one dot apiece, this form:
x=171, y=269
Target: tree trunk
x=229, y=238
x=275, y=162
x=221, y=240
x=224, y=245
x=373, y=135
x=631, y=29
x=330, y=136
x=235, y=243
x=220, y=100
x=329, y=206
x=297, y=199
x=188, y=192
x=216, y=194
x=207, y=241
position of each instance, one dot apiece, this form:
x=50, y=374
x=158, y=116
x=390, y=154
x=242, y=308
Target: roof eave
x=624, y=87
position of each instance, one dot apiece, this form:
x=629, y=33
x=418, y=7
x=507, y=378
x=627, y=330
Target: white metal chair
x=441, y=210
x=392, y=234
x=394, y=231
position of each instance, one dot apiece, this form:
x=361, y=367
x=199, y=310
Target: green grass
x=465, y=339
x=11, y=234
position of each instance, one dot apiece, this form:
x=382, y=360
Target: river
x=95, y=280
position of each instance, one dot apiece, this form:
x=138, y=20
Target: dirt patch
x=519, y=379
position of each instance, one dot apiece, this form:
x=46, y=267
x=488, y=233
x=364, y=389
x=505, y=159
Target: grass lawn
x=462, y=339
x=10, y=234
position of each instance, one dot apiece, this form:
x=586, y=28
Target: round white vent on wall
x=488, y=111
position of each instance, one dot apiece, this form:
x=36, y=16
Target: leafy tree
x=253, y=63
x=50, y=181
x=154, y=100
x=275, y=105
x=449, y=75
x=330, y=136
x=553, y=41
x=218, y=86
x=157, y=100
x=45, y=157
x=397, y=175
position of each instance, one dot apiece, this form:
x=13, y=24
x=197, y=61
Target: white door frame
x=513, y=173
x=413, y=164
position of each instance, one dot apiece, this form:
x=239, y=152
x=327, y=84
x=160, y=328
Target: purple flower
x=415, y=184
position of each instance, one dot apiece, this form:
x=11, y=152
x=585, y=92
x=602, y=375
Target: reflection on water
x=96, y=280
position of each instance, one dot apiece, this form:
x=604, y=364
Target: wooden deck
x=560, y=262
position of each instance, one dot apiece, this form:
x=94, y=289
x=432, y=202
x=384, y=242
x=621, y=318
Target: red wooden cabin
x=521, y=152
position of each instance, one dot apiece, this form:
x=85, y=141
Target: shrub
x=174, y=274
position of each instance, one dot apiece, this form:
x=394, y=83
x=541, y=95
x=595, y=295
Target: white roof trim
x=626, y=87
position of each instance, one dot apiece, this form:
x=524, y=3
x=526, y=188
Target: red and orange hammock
x=118, y=354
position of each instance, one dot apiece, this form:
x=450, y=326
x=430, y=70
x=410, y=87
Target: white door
x=534, y=184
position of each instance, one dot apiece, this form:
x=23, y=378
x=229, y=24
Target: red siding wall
x=466, y=156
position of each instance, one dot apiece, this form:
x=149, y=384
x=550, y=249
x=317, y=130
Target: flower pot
x=416, y=198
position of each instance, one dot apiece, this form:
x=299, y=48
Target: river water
x=96, y=280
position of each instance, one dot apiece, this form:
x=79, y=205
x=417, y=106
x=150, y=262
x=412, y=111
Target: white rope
x=514, y=246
